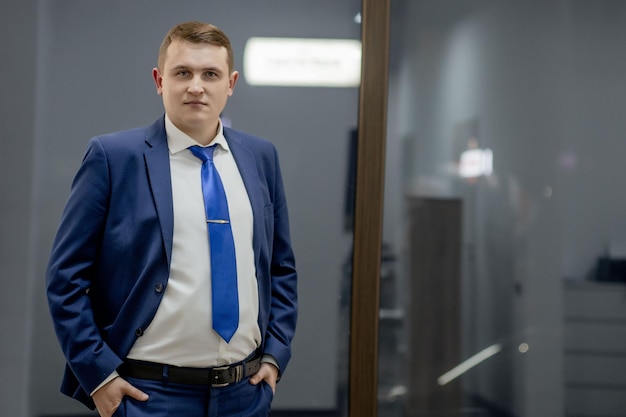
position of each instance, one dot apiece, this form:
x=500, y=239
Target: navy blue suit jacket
x=110, y=260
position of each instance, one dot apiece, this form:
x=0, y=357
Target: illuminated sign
x=476, y=163
x=302, y=62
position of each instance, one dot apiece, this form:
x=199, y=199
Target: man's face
x=195, y=84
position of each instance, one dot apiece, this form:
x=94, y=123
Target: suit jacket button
x=158, y=287
x=139, y=332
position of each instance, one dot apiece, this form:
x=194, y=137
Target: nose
x=195, y=87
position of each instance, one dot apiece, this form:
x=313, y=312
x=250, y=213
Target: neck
x=203, y=135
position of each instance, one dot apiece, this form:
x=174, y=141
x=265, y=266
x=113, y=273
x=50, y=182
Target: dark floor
x=295, y=413
x=281, y=413
x=474, y=406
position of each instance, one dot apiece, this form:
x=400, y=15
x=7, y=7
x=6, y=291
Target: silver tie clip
x=218, y=221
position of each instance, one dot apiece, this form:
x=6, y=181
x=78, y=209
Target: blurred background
x=504, y=242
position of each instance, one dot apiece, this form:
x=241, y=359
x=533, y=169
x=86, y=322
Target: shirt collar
x=178, y=141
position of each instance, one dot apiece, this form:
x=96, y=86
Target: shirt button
x=158, y=287
x=139, y=332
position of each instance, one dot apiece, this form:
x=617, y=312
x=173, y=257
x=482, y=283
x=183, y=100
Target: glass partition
x=502, y=288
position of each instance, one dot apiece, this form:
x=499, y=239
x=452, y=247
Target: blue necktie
x=222, y=246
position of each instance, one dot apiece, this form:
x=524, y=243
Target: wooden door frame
x=368, y=209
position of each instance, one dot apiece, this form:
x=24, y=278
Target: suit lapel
x=247, y=165
x=159, y=177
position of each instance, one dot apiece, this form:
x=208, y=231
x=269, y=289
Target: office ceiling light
x=302, y=62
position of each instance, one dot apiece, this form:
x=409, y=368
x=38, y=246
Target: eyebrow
x=186, y=67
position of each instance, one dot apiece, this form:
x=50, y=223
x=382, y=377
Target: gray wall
x=17, y=71
x=82, y=68
x=591, y=161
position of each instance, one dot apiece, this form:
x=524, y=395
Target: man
x=139, y=288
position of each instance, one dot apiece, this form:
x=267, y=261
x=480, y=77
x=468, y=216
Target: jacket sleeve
x=284, y=299
x=71, y=268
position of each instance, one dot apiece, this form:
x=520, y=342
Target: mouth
x=195, y=103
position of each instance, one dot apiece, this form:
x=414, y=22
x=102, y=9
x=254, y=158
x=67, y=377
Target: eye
x=182, y=73
x=210, y=75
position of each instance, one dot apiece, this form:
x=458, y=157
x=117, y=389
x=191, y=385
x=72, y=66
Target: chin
x=197, y=123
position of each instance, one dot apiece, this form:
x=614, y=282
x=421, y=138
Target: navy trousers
x=175, y=400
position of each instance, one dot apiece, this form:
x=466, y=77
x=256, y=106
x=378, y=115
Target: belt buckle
x=238, y=372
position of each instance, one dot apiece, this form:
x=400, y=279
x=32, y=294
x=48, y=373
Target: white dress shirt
x=181, y=332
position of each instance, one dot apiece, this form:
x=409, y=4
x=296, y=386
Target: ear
x=232, y=80
x=158, y=80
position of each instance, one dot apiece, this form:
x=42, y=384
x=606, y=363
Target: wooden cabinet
x=435, y=305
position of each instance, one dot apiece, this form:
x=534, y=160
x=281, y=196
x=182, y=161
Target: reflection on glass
x=503, y=212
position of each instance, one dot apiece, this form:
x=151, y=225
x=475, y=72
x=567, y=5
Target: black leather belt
x=215, y=377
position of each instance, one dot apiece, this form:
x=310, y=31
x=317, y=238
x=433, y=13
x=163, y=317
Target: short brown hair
x=196, y=32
